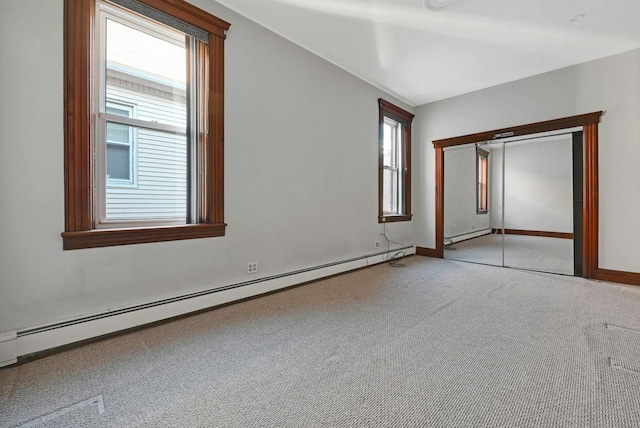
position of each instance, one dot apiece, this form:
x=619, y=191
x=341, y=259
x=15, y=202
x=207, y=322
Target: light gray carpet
x=437, y=343
x=538, y=253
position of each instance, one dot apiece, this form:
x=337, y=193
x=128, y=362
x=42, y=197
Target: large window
x=482, y=174
x=394, y=164
x=144, y=122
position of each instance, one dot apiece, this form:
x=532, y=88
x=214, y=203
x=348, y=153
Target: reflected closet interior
x=516, y=203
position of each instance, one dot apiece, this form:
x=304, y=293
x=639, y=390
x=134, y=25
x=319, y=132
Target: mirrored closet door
x=511, y=203
x=538, y=204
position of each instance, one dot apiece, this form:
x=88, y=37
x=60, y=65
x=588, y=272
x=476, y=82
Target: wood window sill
x=127, y=236
x=394, y=218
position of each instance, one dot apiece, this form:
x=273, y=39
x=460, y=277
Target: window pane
x=390, y=191
x=483, y=172
x=117, y=133
x=118, y=162
x=117, y=111
x=161, y=180
x=388, y=146
x=391, y=144
x=148, y=71
x=392, y=159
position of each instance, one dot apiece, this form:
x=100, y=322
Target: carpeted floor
x=537, y=253
x=437, y=343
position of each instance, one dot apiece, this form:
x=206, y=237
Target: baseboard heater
x=37, y=339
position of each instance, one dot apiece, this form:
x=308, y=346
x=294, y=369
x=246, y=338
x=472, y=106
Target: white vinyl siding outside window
x=160, y=158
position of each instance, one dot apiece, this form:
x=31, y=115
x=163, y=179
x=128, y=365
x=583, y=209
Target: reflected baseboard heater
x=468, y=235
x=37, y=339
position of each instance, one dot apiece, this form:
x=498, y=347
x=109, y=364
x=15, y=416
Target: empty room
x=319, y=213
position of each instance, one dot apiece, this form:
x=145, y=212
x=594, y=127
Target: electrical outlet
x=252, y=267
x=377, y=244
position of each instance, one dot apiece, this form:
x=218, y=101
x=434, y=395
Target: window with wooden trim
x=394, y=163
x=144, y=122
x=482, y=174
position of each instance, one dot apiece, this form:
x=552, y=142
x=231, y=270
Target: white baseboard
x=8, y=352
x=33, y=340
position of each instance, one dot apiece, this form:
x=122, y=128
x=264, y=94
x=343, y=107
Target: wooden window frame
x=480, y=153
x=387, y=109
x=79, y=145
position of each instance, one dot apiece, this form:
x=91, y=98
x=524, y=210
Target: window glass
x=119, y=147
x=145, y=66
x=144, y=140
x=161, y=187
x=118, y=161
x=390, y=148
x=483, y=180
x=394, y=163
x=150, y=71
x=390, y=193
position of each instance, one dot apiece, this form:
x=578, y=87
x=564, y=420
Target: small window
x=120, y=150
x=482, y=169
x=394, y=174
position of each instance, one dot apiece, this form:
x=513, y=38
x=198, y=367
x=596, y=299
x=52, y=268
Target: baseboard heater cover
x=8, y=347
x=38, y=339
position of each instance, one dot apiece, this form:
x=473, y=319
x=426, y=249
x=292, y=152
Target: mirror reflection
x=538, y=204
x=510, y=203
x=471, y=224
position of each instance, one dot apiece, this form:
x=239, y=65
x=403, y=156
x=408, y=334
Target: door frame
x=589, y=122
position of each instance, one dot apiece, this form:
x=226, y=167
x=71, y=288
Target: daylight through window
x=148, y=167
x=394, y=163
x=482, y=168
x=145, y=66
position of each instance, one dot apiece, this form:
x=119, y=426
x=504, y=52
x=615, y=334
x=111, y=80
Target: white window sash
x=397, y=127
x=112, y=12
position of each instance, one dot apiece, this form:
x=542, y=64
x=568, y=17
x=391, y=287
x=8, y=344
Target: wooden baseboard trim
x=622, y=277
x=426, y=252
x=561, y=235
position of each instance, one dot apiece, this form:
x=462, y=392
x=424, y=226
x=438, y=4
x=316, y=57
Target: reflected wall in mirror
x=538, y=204
x=469, y=220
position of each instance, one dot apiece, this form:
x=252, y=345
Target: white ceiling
x=422, y=56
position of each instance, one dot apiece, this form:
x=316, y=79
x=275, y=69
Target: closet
x=516, y=202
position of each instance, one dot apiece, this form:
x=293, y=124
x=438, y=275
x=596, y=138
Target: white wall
x=300, y=176
x=460, y=183
x=611, y=84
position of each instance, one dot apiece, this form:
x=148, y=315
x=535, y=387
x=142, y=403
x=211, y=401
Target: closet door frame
x=589, y=123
